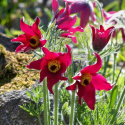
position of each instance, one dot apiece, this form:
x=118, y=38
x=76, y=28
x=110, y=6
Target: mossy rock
x=2, y=50
x=15, y=75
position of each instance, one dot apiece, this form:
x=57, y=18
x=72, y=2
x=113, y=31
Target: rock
x=2, y=59
x=6, y=42
x=11, y=113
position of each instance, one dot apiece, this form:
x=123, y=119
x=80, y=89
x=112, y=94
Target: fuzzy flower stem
x=48, y=104
x=114, y=67
x=45, y=102
x=56, y=105
x=72, y=108
x=88, y=51
x=120, y=73
x=100, y=10
x=106, y=64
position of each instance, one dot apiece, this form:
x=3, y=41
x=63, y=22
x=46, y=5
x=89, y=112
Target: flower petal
x=42, y=42
x=76, y=29
x=55, y=6
x=35, y=27
x=26, y=28
x=88, y=94
x=52, y=80
x=20, y=48
x=123, y=34
x=39, y=64
x=84, y=19
x=93, y=68
x=50, y=55
x=93, y=32
x=21, y=38
x=100, y=83
x=72, y=87
x=79, y=6
x=66, y=23
x=43, y=73
x=66, y=57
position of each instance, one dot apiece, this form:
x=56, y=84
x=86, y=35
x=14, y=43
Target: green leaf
x=113, y=96
x=111, y=5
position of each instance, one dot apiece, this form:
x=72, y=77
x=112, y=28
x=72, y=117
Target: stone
x=6, y=42
x=11, y=113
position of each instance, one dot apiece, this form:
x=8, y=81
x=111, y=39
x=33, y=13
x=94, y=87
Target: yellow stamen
x=54, y=66
x=34, y=41
x=85, y=79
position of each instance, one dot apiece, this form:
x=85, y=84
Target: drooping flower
x=52, y=66
x=88, y=81
x=100, y=37
x=85, y=8
x=31, y=39
x=64, y=21
x=116, y=18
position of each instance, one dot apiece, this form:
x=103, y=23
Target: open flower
x=32, y=39
x=88, y=81
x=52, y=66
x=100, y=37
x=64, y=21
x=85, y=8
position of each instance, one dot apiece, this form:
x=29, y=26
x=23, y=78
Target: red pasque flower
x=111, y=17
x=100, y=37
x=52, y=66
x=85, y=8
x=31, y=39
x=64, y=21
x=88, y=81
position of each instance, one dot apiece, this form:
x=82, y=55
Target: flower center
x=34, y=41
x=85, y=79
x=54, y=66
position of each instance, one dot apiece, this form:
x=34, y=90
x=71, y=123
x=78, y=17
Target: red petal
x=77, y=77
x=43, y=73
x=109, y=32
x=70, y=1
x=35, y=27
x=51, y=81
x=20, y=48
x=88, y=94
x=76, y=29
x=72, y=87
x=50, y=55
x=28, y=48
x=93, y=68
x=21, y=38
x=55, y=6
x=100, y=83
x=63, y=78
x=102, y=28
x=84, y=18
x=66, y=57
x=26, y=28
x=66, y=23
x=42, y=43
x=79, y=6
x=80, y=92
x=68, y=35
x=123, y=34
x=39, y=64
x=93, y=32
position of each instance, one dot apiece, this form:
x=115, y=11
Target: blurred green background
x=11, y=11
